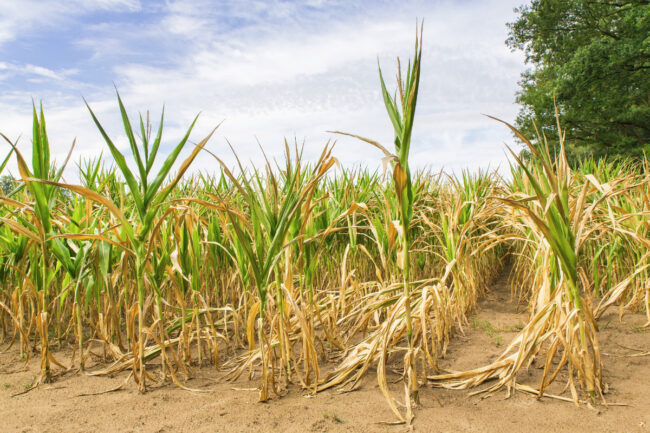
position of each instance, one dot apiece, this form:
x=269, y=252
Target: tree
x=592, y=59
x=7, y=184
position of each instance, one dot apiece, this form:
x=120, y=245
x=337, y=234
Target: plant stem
x=139, y=276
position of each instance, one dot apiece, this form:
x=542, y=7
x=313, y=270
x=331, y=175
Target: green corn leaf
x=62, y=254
x=156, y=142
x=134, y=145
x=389, y=102
x=6, y=160
x=60, y=171
x=121, y=163
x=166, y=167
x=145, y=138
x=184, y=167
x=42, y=209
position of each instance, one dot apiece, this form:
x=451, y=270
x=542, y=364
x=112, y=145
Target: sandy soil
x=233, y=407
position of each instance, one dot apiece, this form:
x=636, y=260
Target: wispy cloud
x=19, y=18
x=29, y=71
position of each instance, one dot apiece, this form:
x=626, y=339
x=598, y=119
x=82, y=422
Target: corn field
x=302, y=272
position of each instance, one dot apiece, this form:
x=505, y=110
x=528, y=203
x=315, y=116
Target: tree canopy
x=592, y=59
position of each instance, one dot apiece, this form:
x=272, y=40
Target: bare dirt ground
x=57, y=407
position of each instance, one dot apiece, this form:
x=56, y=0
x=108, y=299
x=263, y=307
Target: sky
x=269, y=70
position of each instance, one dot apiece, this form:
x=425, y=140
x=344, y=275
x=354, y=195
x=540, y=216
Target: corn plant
x=148, y=195
x=274, y=205
x=401, y=111
x=38, y=227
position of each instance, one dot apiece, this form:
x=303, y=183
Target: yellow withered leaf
x=400, y=178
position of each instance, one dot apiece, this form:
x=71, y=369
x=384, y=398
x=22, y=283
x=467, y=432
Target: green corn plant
x=148, y=194
x=89, y=171
x=263, y=231
x=40, y=228
x=187, y=264
x=556, y=213
x=401, y=111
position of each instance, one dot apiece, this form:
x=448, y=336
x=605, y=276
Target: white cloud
x=41, y=71
x=24, y=16
x=272, y=72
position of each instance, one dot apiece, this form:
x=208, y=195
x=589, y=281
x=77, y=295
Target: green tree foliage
x=592, y=58
x=7, y=184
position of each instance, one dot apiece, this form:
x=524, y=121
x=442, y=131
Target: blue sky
x=271, y=69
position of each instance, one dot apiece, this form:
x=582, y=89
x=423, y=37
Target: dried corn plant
x=556, y=215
